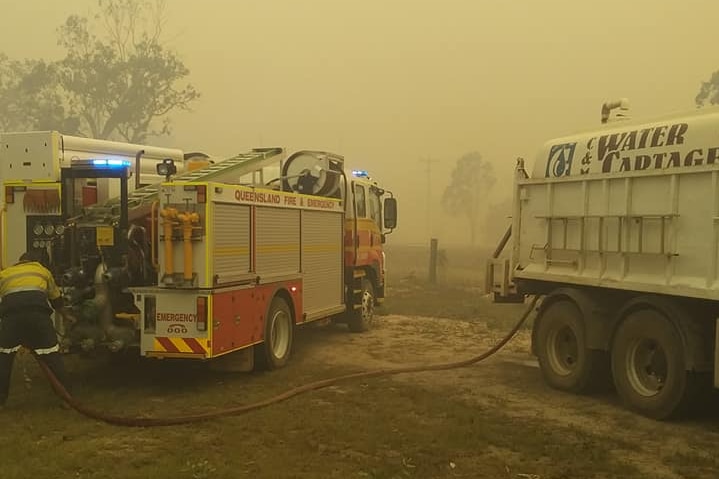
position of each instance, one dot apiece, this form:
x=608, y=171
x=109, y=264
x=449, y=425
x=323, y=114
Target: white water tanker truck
x=618, y=230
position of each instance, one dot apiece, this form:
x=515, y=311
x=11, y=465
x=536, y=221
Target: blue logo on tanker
x=560, y=159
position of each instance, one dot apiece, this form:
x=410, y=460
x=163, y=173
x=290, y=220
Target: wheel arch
x=594, y=316
x=379, y=278
x=371, y=273
x=696, y=342
x=264, y=357
x=283, y=293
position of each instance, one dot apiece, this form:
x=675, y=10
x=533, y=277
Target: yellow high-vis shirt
x=28, y=276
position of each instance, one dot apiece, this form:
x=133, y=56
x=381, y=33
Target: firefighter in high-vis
x=28, y=290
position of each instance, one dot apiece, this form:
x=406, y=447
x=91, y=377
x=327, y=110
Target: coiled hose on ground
x=313, y=386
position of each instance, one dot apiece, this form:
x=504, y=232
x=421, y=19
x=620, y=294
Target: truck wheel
x=564, y=359
x=275, y=351
x=361, y=318
x=648, y=366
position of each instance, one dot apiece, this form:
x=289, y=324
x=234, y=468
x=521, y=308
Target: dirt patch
x=495, y=419
x=511, y=382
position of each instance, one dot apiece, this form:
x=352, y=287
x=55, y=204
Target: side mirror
x=390, y=213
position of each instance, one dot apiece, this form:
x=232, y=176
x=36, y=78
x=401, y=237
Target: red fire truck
x=218, y=258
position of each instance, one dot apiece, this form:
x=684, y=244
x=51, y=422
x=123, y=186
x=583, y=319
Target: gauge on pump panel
x=38, y=229
x=49, y=229
x=59, y=229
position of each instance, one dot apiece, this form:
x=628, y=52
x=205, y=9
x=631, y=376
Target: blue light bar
x=111, y=162
x=360, y=174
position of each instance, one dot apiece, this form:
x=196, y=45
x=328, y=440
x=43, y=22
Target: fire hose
x=313, y=386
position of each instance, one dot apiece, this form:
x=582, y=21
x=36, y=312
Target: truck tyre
x=564, y=359
x=274, y=352
x=361, y=318
x=648, y=366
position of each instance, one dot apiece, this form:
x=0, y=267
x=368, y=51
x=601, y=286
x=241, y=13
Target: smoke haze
x=389, y=83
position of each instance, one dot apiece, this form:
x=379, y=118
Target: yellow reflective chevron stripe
x=180, y=345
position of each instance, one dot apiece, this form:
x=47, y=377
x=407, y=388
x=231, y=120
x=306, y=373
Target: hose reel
x=313, y=173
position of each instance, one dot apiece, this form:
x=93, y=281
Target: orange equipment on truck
x=220, y=258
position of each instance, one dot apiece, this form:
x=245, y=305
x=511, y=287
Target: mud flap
x=241, y=361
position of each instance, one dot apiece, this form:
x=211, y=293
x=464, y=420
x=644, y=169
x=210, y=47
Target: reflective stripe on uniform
x=51, y=350
x=10, y=350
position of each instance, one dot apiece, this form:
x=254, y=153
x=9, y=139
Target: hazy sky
x=387, y=83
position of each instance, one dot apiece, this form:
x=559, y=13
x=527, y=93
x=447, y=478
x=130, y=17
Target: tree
x=30, y=98
x=116, y=80
x=709, y=91
x=26, y=99
x=472, y=179
x=11, y=74
x=498, y=218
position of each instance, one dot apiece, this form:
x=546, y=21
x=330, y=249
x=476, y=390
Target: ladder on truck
x=237, y=166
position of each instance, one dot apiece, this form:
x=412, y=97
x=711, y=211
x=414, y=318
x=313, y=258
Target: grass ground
x=496, y=420
x=458, y=292
x=458, y=267
x=454, y=302
x=373, y=429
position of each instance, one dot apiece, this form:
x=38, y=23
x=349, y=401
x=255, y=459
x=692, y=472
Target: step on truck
x=169, y=254
x=618, y=230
